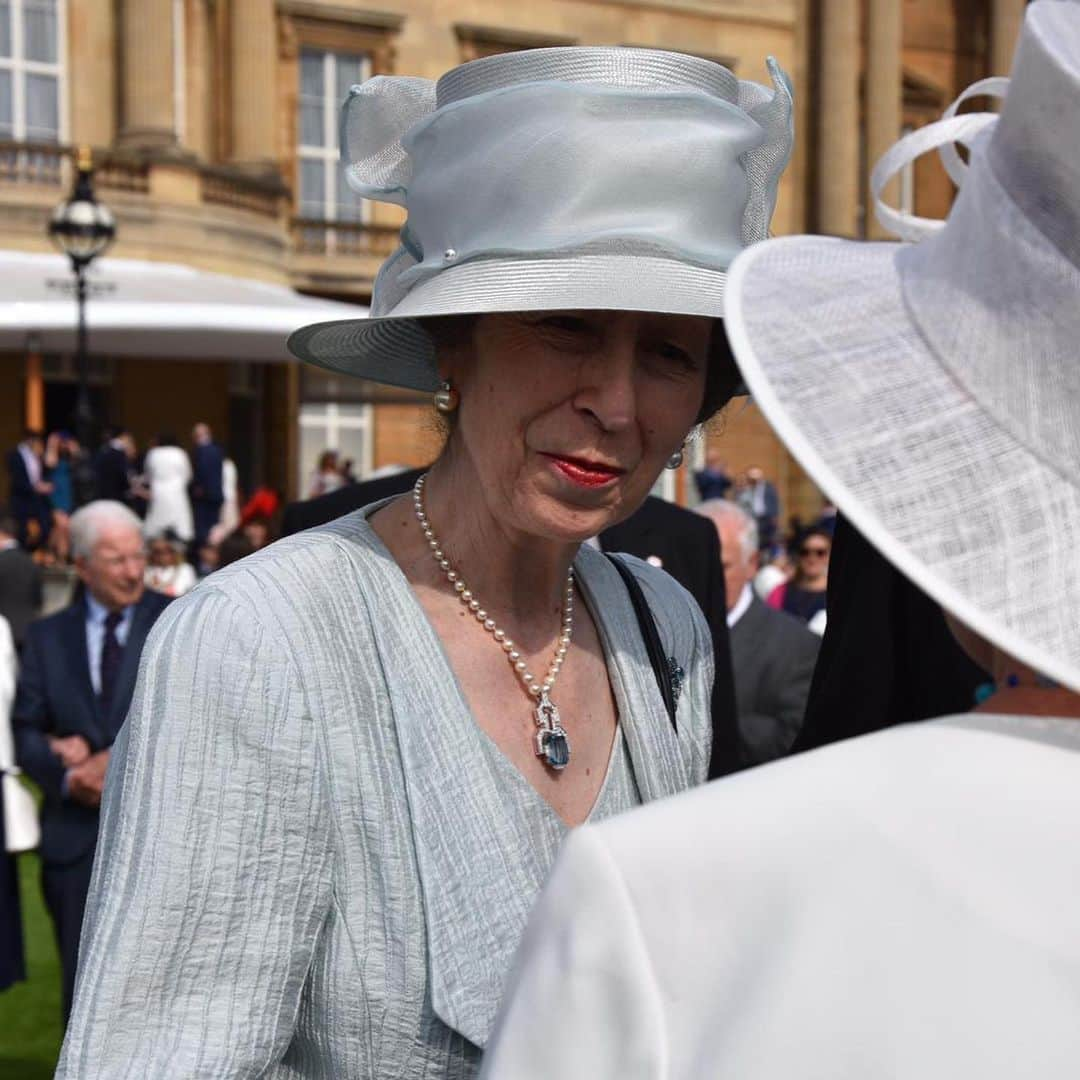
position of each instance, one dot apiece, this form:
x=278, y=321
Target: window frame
x=328, y=153
x=20, y=67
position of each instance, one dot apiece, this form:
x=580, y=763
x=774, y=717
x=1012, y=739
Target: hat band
x=555, y=166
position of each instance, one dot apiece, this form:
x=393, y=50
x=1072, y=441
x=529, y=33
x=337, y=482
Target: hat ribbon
x=942, y=135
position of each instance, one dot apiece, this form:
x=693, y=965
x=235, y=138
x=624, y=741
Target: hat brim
x=395, y=349
x=831, y=355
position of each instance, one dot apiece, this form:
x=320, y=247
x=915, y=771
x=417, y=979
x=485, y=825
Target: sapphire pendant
x=552, y=742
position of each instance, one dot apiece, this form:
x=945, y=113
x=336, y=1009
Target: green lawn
x=30, y=1011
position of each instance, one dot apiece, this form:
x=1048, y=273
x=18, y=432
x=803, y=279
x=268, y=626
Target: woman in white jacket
x=903, y=904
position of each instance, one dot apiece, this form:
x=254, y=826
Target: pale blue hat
x=585, y=178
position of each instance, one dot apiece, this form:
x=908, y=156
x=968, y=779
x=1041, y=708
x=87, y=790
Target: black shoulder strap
x=651, y=635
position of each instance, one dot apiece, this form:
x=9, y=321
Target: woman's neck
x=505, y=567
x=519, y=578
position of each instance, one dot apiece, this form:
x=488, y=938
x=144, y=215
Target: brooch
x=676, y=675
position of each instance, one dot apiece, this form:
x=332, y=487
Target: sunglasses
x=821, y=552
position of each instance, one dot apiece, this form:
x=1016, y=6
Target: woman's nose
x=607, y=387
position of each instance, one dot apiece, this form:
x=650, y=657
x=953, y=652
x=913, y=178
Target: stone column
x=1006, y=19
x=148, y=87
x=838, y=118
x=200, y=63
x=884, y=96
x=254, y=97
x=92, y=52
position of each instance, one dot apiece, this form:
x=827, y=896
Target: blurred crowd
x=790, y=565
x=195, y=517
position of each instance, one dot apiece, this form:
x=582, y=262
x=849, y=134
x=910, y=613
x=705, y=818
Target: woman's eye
x=676, y=355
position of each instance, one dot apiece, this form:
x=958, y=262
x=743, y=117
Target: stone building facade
x=213, y=124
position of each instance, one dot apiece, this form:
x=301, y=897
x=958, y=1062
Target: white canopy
x=140, y=308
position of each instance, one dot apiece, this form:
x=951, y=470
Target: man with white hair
x=78, y=674
x=772, y=654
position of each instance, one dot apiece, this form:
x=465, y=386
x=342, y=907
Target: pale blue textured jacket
x=307, y=867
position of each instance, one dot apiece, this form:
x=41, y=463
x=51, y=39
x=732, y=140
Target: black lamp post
x=83, y=228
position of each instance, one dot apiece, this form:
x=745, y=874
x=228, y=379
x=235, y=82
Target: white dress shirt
x=746, y=598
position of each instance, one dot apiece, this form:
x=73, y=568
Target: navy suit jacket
x=111, y=479
x=56, y=697
x=18, y=477
x=25, y=501
x=207, y=463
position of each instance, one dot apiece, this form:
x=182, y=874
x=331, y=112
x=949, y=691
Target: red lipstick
x=590, y=474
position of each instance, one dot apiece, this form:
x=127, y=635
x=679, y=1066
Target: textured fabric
x=621, y=179
x=545, y=160
x=900, y=905
x=308, y=866
x=954, y=442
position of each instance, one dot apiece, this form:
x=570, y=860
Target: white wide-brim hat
x=574, y=178
x=932, y=389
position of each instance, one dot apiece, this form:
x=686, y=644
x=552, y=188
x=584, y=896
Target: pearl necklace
x=552, y=743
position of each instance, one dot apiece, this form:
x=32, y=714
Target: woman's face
x=569, y=416
x=161, y=554
x=814, y=557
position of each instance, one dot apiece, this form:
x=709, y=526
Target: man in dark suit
x=772, y=654
x=77, y=678
x=668, y=536
x=20, y=582
x=29, y=490
x=112, y=466
x=207, y=487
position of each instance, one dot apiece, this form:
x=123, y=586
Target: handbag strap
x=651, y=635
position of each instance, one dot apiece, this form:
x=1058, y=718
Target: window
x=325, y=78
x=330, y=426
x=31, y=72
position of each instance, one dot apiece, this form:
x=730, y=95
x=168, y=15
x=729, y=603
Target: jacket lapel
x=478, y=880
x=142, y=618
x=78, y=664
x=476, y=896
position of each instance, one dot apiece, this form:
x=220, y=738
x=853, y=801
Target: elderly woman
x=353, y=757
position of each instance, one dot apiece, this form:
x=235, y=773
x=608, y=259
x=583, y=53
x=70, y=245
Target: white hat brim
x=835, y=362
x=395, y=349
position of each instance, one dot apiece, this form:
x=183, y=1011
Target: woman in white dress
x=168, y=473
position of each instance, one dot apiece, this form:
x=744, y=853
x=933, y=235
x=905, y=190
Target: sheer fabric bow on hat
x=619, y=179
